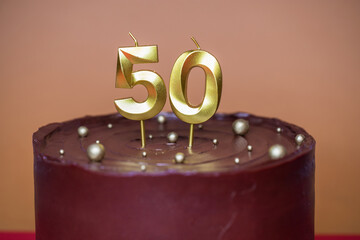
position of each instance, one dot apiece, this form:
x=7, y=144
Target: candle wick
x=196, y=43
x=132, y=36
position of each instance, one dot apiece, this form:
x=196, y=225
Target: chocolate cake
x=225, y=189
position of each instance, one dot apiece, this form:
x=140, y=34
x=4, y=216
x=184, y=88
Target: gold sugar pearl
x=240, y=126
x=83, y=131
x=299, y=139
x=96, y=152
x=172, y=137
x=161, y=119
x=277, y=151
x=143, y=168
x=179, y=157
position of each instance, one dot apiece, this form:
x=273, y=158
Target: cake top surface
x=124, y=156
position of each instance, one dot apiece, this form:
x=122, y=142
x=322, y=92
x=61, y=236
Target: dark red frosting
x=207, y=197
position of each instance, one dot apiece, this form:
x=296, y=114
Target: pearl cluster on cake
x=96, y=151
x=276, y=151
x=241, y=127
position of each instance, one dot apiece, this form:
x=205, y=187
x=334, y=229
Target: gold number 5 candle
x=178, y=87
x=126, y=78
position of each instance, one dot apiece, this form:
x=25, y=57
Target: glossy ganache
x=209, y=196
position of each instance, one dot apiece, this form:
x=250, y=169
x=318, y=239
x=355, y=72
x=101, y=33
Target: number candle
x=178, y=87
x=126, y=78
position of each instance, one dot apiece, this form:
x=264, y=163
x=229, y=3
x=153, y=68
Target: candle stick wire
x=191, y=135
x=142, y=133
x=132, y=36
x=196, y=43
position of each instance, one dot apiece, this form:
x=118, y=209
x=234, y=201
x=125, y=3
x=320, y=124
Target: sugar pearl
x=179, y=157
x=240, y=126
x=277, y=151
x=96, y=152
x=83, y=131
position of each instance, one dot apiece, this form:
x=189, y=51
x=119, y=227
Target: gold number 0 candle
x=178, y=87
x=126, y=78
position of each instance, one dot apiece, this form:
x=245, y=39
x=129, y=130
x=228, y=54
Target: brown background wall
x=295, y=60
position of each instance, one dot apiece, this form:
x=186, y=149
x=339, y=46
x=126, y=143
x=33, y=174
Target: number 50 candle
x=178, y=87
x=126, y=78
